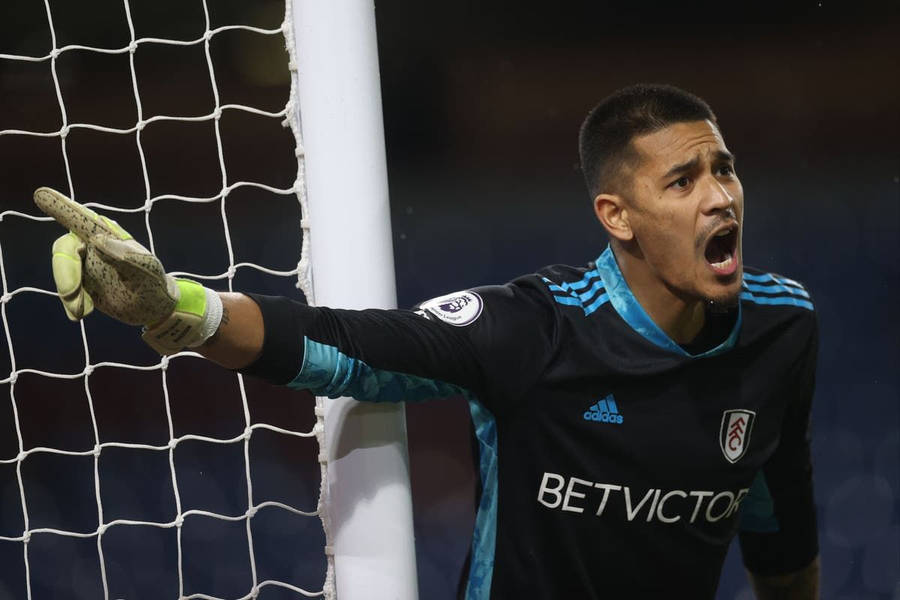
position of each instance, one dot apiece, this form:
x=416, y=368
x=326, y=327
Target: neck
x=680, y=319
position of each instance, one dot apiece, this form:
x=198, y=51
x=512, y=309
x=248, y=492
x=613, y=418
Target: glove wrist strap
x=211, y=320
x=196, y=318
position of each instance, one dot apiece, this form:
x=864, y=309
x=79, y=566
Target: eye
x=680, y=183
x=725, y=170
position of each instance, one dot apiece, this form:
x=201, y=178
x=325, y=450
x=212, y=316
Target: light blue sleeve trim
x=567, y=300
x=553, y=287
x=585, y=296
x=758, y=508
x=780, y=300
x=600, y=301
x=576, y=285
x=776, y=288
x=578, y=299
x=633, y=313
x=484, y=538
x=769, y=277
x=327, y=371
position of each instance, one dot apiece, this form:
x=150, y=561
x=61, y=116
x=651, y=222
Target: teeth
x=725, y=263
x=723, y=233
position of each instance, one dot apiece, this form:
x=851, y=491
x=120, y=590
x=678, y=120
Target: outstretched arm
x=239, y=339
x=446, y=348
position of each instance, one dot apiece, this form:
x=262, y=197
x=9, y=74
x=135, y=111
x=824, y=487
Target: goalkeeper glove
x=99, y=264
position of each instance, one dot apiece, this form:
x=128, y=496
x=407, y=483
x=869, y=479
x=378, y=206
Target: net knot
x=96, y=451
x=172, y=443
x=231, y=272
x=64, y=132
x=89, y=370
x=54, y=54
x=179, y=521
x=132, y=47
x=207, y=35
x=13, y=376
x=164, y=362
x=26, y=536
x=148, y=204
x=5, y=298
x=141, y=124
x=251, y=512
x=248, y=431
x=217, y=114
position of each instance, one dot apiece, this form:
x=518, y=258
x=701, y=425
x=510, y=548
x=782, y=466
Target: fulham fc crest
x=734, y=434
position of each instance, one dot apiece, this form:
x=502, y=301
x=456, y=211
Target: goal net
x=123, y=475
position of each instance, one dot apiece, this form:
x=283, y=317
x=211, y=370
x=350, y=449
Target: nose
x=717, y=197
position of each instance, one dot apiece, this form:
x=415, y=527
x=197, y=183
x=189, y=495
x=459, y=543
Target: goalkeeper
x=633, y=415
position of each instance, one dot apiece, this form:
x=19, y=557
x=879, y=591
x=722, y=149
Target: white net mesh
x=62, y=411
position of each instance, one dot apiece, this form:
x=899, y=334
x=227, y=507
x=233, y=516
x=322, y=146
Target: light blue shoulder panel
x=327, y=371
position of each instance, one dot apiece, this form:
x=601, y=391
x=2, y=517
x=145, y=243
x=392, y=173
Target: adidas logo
x=604, y=411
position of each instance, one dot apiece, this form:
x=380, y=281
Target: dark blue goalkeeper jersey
x=614, y=463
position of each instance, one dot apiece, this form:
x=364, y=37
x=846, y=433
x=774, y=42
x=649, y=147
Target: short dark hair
x=604, y=141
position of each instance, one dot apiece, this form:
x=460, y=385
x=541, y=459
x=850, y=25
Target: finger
x=79, y=307
x=80, y=220
x=66, y=263
x=68, y=251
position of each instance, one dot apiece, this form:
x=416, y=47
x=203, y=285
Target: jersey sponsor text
x=573, y=494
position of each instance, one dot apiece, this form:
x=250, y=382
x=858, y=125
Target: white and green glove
x=99, y=264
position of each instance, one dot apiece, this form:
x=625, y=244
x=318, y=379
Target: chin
x=723, y=304
x=724, y=300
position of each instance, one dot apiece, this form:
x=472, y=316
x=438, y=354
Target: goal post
x=369, y=500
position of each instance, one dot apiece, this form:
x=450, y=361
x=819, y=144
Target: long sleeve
x=778, y=523
x=492, y=342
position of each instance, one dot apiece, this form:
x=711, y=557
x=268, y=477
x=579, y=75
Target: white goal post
x=369, y=502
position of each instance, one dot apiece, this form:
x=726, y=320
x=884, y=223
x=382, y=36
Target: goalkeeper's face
x=685, y=213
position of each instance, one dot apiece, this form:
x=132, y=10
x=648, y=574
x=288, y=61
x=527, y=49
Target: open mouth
x=721, y=250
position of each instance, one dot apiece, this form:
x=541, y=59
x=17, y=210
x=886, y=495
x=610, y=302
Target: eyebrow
x=687, y=167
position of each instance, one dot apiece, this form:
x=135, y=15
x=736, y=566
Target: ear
x=612, y=213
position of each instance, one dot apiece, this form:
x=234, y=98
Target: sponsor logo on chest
x=734, y=433
x=576, y=495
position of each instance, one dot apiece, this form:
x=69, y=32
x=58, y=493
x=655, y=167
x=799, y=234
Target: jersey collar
x=633, y=313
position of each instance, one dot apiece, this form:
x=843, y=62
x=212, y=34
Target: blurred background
x=482, y=103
